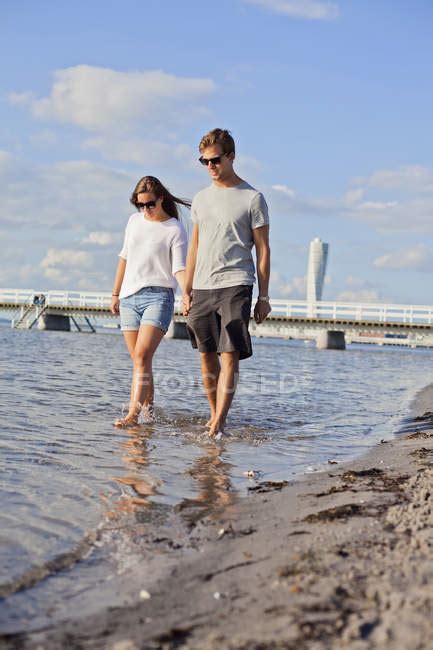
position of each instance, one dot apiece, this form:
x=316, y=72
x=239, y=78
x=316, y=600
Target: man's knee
x=230, y=359
x=209, y=361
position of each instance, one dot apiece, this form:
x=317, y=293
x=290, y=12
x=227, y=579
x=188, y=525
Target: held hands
x=114, y=308
x=261, y=311
x=186, y=303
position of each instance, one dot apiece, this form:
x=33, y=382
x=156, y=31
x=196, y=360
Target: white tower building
x=317, y=258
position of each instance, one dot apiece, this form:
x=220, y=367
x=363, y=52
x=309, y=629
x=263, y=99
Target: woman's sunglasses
x=214, y=161
x=146, y=206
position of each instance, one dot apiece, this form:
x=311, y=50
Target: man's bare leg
x=227, y=382
x=210, y=371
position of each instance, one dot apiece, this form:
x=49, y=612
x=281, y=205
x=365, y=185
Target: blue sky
x=330, y=104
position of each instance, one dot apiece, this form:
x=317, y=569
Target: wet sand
x=339, y=559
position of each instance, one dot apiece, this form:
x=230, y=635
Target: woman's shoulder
x=132, y=219
x=176, y=229
x=174, y=224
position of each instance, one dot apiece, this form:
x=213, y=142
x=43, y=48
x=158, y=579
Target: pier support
x=177, y=330
x=331, y=340
x=56, y=322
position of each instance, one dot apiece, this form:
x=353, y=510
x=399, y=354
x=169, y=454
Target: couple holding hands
x=216, y=276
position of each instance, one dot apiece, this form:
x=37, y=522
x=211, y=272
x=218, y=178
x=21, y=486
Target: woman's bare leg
x=149, y=337
x=142, y=350
x=130, y=337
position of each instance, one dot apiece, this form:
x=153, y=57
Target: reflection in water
x=295, y=409
x=144, y=485
x=211, y=474
x=215, y=490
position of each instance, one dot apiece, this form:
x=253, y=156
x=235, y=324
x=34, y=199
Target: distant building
x=317, y=258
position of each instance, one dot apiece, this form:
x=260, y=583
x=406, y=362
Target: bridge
x=410, y=325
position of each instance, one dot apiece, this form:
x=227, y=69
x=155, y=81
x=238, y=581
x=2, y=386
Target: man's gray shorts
x=219, y=319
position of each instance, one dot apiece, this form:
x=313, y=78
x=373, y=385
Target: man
x=229, y=218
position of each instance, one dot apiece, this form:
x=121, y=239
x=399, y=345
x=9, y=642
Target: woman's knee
x=142, y=357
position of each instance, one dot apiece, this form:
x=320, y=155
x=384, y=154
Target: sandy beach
x=338, y=559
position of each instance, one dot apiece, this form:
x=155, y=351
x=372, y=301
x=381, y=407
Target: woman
x=151, y=260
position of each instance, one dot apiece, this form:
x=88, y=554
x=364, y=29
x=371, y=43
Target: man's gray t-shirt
x=226, y=218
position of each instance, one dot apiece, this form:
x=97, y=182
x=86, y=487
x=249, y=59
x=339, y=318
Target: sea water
x=66, y=473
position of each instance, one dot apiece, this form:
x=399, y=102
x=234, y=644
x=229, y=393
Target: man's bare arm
x=263, y=255
x=191, y=259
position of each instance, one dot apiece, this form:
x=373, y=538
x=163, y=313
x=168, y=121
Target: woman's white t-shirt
x=154, y=251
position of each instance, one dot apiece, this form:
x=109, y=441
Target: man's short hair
x=218, y=136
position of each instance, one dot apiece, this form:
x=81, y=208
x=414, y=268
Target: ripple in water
x=71, y=482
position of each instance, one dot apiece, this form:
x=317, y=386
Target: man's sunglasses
x=214, y=161
x=146, y=206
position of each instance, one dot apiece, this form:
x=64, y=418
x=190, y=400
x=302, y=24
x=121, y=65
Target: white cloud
x=284, y=190
x=308, y=9
x=352, y=196
x=6, y=162
x=140, y=151
x=93, y=281
x=398, y=200
x=376, y=206
x=5, y=156
x=416, y=258
x=354, y=282
x=67, y=194
x=358, y=290
x=98, y=99
x=12, y=274
x=21, y=99
x=100, y=237
x=74, y=269
x=65, y=258
x=57, y=276
x=409, y=178
x=74, y=206
x=118, y=110
x=285, y=200
x=281, y=287
x=43, y=138
x=360, y=296
x=396, y=216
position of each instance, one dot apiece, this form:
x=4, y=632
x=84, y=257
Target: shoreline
x=336, y=559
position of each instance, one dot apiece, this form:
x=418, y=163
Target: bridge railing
x=82, y=299
x=385, y=313
x=336, y=311
x=90, y=299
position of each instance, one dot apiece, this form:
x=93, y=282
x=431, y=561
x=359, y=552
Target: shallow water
x=67, y=474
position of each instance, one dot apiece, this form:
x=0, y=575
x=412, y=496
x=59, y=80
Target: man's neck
x=232, y=181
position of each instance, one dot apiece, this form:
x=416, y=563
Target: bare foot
x=215, y=428
x=131, y=420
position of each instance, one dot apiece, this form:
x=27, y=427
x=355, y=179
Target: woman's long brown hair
x=153, y=185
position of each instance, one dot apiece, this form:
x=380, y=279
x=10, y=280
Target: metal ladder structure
x=83, y=324
x=28, y=316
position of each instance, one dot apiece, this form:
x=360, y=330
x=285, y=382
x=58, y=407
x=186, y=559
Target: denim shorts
x=148, y=306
